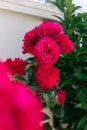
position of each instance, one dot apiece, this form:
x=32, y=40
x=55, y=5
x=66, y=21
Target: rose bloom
x=46, y=51
x=19, y=108
x=61, y=94
x=47, y=76
x=50, y=29
x=16, y=66
x=30, y=40
x=65, y=44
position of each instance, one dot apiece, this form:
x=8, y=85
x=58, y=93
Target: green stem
x=81, y=53
x=57, y=123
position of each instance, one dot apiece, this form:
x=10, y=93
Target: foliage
x=73, y=66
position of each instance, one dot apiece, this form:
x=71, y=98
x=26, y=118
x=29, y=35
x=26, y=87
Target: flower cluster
x=46, y=43
x=48, y=34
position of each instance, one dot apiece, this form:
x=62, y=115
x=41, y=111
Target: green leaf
x=84, y=35
x=47, y=126
x=82, y=95
x=85, y=128
x=49, y=97
x=68, y=118
x=85, y=68
x=69, y=31
x=76, y=8
x=58, y=17
x=58, y=111
x=31, y=61
x=81, y=76
x=21, y=78
x=82, y=15
x=46, y=116
x=83, y=123
x=66, y=81
x=59, y=4
x=82, y=106
x=34, y=86
x=69, y=6
x=81, y=53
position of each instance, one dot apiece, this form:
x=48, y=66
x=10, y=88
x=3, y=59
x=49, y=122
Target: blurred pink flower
x=19, y=108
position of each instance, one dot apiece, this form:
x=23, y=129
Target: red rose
x=19, y=108
x=61, y=96
x=50, y=29
x=47, y=76
x=46, y=51
x=16, y=66
x=30, y=40
x=65, y=44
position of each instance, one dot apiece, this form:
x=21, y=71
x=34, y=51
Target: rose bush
x=46, y=42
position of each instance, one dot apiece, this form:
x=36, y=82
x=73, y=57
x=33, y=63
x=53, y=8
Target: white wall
x=12, y=29
x=16, y=18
